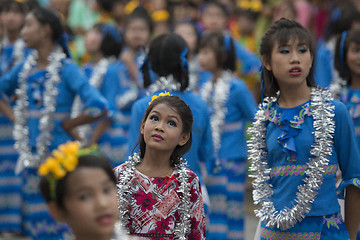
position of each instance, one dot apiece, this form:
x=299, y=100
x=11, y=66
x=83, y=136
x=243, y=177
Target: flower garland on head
x=182, y=227
x=323, y=113
x=62, y=161
x=160, y=95
x=221, y=90
x=21, y=111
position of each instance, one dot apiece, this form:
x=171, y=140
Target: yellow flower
x=130, y=6
x=70, y=148
x=70, y=163
x=160, y=95
x=59, y=172
x=160, y=15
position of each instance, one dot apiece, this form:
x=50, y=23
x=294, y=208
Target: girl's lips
x=157, y=137
x=295, y=71
x=105, y=220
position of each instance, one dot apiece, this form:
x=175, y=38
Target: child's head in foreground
x=79, y=187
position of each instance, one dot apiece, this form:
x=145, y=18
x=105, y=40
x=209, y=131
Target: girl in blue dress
x=167, y=58
x=299, y=138
x=12, y=51
x=108, y=74
x=45, y=83
x=231, y=106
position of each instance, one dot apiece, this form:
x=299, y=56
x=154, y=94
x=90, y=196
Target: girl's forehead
x=291, y=40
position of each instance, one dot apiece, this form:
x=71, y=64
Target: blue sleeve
x=134, y=128
x=250, y=62
x=207, y=154
x=323, y=67
x=93, y=101
x=9, y=81
x=346, y=149
x=246, y=101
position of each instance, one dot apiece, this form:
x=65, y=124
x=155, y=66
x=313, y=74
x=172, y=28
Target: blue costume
x=120, y=92
x=10, y=183
x=289, y=139
x=351, y=98
x=37, y=223
x=324, y=70
x=226, y=183
x=201, y=150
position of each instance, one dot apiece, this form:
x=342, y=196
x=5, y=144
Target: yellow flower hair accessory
x=160, y=95
x=130, y=6
x=160, y=16
x=64, y=159
x=253, y=5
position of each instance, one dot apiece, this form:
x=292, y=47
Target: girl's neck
x=43, y=53
x=292, y=97
x=155, y=164
x=355, y=81
x=216, y=74
x=12, y=36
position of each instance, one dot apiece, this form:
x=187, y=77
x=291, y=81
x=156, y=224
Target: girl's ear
x=184, y=139
x=265, y=63
x=56, y=212
x=142, y=128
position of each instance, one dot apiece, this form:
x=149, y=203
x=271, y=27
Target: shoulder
x=118, y=170
x=340, y=107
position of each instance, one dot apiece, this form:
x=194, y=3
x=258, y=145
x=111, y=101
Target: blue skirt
x=330, y=227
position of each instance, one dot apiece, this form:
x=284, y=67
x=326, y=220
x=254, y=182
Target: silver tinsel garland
x=18, y=52
x=96, y=80
x=182, y=228
x=164, y=83
x=21, y=111
x=323, y=113
x=221, y=94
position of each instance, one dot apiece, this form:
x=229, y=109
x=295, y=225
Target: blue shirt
x=288, y=167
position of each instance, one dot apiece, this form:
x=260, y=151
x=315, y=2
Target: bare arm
x=99, y=131
x=352, y=210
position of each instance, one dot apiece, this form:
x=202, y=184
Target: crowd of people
x=142, y=119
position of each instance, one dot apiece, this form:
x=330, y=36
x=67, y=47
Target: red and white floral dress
x=153, y=203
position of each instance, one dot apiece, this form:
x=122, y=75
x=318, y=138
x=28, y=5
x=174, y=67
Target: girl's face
x=93, y=41
x=163, y=129
x=207, y=59
x=34, y=32
x=137, y=33
x=91, y=203
x=353, y=59
x=12, y=20
x=214, y=18
x=290, y=64
x=187, y=32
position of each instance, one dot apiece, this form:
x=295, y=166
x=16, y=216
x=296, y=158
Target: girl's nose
x=159, y=127
x=294, y=57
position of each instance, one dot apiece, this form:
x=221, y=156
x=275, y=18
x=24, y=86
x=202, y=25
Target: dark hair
x=46, y=16
x=341, y=19
x=223, y=46
x=12, y=5
x=341, y=64
x=281, y=32
x=106, y=5
x=140, y=13
x=165, y=58
x=184, y=112
x=111, y=43
x=89, y=160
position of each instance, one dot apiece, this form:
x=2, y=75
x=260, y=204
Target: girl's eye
x=108, y=189
x=284, y=50
x=154, y=118
x=172, y=123
x=303, y=50
x=84, y=197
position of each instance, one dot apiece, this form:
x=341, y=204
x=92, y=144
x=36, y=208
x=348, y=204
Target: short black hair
x=110, y=46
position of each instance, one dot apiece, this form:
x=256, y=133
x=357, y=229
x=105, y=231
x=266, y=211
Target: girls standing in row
x=231, y=106
x=46, y=84
x=300, y=137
